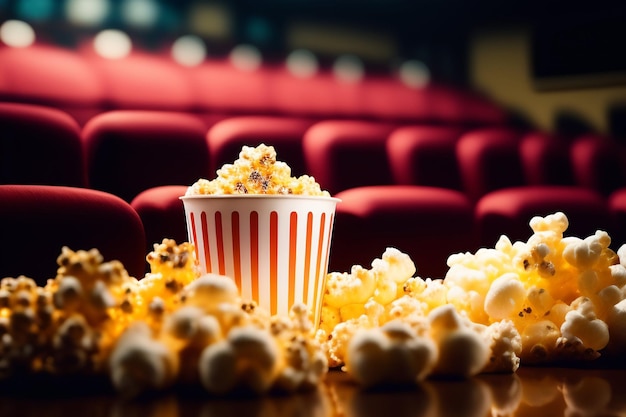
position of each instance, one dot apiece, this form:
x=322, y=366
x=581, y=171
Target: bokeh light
x=170, y=17
x=87, y=12
x=35, y=10
x=414, y=73
x=189, y=50
x=112, y=44
x=348, y=68
x=302, y=63
x=211, y=20
x=246, y=57
x=258, y=30
x=140, y=13
x=17, y=34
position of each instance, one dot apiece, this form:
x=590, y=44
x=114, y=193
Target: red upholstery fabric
x=142, y=81
x=348, y=99
x=489, y=160
x=39, y=145
x=162, y=214
x=220, y=87
x=598, y=163
x=425, y=155
x=617, y=206
x=52, y=76
x=389, y=99
x=315, y=96
x=342, y=154
x=38, y=220
x=427, y=223
x=480, y=110
x=546, y=159
x=226, y=138
x=129, y=151
x=508, y=211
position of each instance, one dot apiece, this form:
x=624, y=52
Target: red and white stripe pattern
x=276, y=249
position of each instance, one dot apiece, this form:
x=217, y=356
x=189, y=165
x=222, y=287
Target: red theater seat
x=38, y=220
x=497, y=165
x=388, y=99
x=489, y=160
x=226, y=138
x=314, y=96
x=509, y=211
x=39, y=145
x=477, y=110
x=142, y=81
x=162, y=214
x=427, y=223
x=221, y=90
x=343, y=154
x=51, y=76
x=425, y=155
x=617, y=207
x=545, y=159
x=129, y=151
x=599, y=163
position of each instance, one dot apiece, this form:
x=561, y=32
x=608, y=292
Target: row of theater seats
x=84, y=84
x=428, y=190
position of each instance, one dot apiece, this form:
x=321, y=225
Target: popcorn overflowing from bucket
x=267, y=230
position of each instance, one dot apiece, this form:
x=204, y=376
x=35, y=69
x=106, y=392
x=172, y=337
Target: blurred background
x=556, y=65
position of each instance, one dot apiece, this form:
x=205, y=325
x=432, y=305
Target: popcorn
x=171, y=327
x=354, y=288
x=505, y=345
x=390, y=354
x=538, y=341
x=616, y=322
x=257, y=172
x=304, y=363
x=140, y=363
x=548, y=299
x=346, y=294
x=461, y=351
x=248, y=357
x=213, y=294
x=582, y=325
x=505, y=297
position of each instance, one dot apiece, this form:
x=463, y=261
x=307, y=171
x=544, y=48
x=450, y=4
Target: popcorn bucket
x=275, y=247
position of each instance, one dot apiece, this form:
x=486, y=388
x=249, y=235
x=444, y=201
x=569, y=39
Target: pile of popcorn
x=257, y=171
x=171, y=327
x=548, y=300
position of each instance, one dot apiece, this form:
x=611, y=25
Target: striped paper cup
x=275, y=247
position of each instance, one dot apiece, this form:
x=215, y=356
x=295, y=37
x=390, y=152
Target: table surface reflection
x=529, y=392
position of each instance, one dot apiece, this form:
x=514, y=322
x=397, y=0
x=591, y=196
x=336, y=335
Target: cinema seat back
x=38, y=220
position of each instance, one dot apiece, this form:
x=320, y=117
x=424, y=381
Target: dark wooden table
x=531, y=392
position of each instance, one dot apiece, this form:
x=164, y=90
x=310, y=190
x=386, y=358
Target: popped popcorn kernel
x=391, y=354
x=257, y=171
